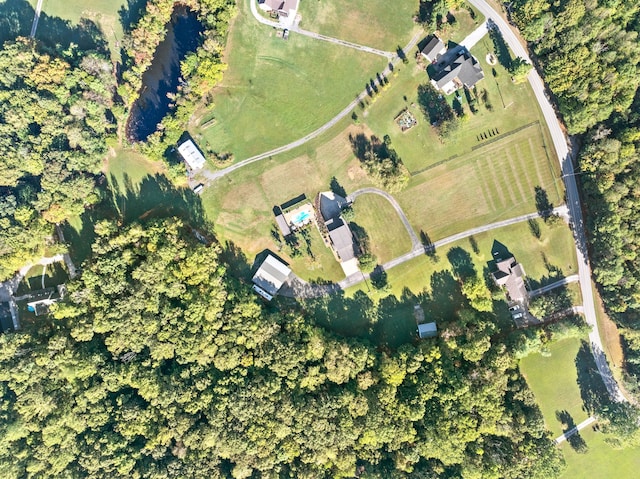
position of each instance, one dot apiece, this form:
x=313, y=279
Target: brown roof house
x=433, y=49
x=461, y=70
x=509, y=274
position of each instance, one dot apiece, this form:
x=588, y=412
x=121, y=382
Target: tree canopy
x=158, y=364
x=54, y=122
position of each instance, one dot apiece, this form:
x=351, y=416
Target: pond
x=161, y=81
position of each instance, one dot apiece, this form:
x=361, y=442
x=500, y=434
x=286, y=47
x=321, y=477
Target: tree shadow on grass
x=154, y=197
x=593, y=392
x=461, y=263
x=576, y=441
x=130, y=14
x=16, y=18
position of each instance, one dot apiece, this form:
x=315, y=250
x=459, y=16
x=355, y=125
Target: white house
x=191, y=155
x=270, y=277
x=286, y=10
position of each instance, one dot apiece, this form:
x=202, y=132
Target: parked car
x=198, y=189
x=285, y=34
x=518, y=315
x=515, y=307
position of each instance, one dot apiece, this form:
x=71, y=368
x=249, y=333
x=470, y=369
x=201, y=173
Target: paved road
x=475, y=36
x=214, y=175
x=573, y=197
x=564, y=281
x=318, y=36
x=36, y=18
x=415, y=242
x=574, y=430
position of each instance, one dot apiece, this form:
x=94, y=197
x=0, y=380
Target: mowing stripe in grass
x=550, y=163
x=491, y=182
x=487, y=197
x=523, y=170
x=512, y=166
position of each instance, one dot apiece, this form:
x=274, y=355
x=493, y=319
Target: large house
x=285, y=9
x=459, y=70
x=270, y=277
x=510, y=275
x=433, y=49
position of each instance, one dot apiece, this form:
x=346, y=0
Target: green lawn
x=388, y=237
x=367, y=22
x=600, y=461
x=54, y=274
x=553, y=381
x=105, y=13
x=556, y=245
x=277, y=91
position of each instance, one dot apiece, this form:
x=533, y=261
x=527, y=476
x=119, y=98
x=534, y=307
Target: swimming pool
x=300, y=217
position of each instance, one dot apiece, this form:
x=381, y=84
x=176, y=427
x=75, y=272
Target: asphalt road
x=318, y=36
x=415, y=242
x=36, y=18
x=573, y=197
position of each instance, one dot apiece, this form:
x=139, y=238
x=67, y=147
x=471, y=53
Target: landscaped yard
x=277, y=91
x=512, y=107
x=374, y=23
x=240, y=205
x=54, y=274
x=556, y=245
x=388, y=237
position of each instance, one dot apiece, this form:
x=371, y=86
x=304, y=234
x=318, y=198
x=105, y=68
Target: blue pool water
x=300, y=217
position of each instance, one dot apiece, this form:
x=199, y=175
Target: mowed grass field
x=388, y=237
x=554, y=250
x=374, y=23
x=553, y=381
x=492, y=183
x=277, y=91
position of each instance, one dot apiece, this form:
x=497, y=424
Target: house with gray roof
x=509, y=274
x=460, y=70
x=433, y=49
x=341, y=239
x=270, y=277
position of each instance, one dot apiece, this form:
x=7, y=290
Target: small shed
x=427, y=330
x=191, y=155
x=433, y=49
x=270, y=277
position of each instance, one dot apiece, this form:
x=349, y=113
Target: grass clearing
x=388, y=237
x=277, y=91
x=54, y=274
x=553, y=380
x=600, y=461
x=367, y=22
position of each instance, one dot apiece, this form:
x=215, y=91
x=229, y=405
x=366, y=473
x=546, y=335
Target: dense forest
x=590, y=55
x=55, y=120
x=161, y=365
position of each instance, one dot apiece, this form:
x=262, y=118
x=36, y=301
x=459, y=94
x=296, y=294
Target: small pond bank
x=162, y=80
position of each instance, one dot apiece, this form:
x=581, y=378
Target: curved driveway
x=318, y=36
x=573, y=197
x=415, y=242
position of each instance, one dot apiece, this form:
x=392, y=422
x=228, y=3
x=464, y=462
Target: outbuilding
x=191, y=155
x=270, y=277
